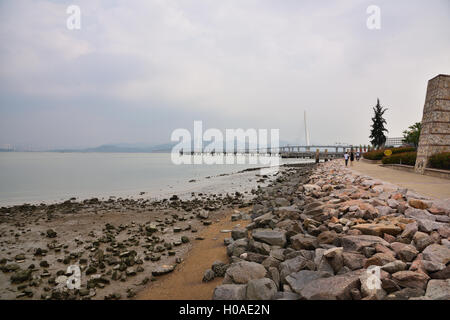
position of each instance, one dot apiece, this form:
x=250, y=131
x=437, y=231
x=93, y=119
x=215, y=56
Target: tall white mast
x=306, y=131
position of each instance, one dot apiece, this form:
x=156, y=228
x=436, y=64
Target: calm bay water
x=33, y=177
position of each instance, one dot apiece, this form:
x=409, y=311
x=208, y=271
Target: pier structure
x=301, y=152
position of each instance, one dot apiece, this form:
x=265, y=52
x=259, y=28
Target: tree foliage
x=412, y=135
x=377, y=135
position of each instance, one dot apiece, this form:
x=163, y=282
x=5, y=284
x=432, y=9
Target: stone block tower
x=435, y=133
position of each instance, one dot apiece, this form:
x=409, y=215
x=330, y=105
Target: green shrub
x=379, y=154
x=407, y=158
x=440, y=161
x=374, y=155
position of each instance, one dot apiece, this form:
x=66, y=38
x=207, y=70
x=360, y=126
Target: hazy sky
x=136, y=70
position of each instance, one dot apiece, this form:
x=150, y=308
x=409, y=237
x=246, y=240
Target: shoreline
x=120, y=245
x=218, y=182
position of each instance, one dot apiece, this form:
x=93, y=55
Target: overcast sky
x=136, y=70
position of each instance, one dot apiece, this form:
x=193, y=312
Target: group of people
x=352, y=157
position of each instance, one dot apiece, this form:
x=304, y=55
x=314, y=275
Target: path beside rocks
x=335, y=234
x=433, y=187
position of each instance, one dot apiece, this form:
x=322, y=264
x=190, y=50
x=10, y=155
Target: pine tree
x=377, y=133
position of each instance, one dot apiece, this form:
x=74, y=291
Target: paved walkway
x=433, y=187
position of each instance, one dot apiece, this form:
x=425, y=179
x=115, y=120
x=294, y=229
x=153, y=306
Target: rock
x=442, y=274
x=311, y=187
x=44, y=264
x=282, y=202
x=428, y=226
x=298, y=280
x=335, y=258
x=203, y=214
x=394, y=266
x=332, y=288
x=130, y=271
x=294, y=265
x=422, y=240
x=438, y=289
x=239, y=233
x=405, y=294
x=164, y=269
x=244, y=271
x=437, y=253
x=280, y=295
x=236, y=217
x=237, y=247
x=411, y=279
x=379, y=259
x=405, y=252
x=353, y=260
x=392, y=203
x=219, y=268
x=328, y=237
x=271, y=237
x=418, y=204
x=208, y=275
x=230, y=292
x=51, y=233
x=306, y=242
x=383, y=210
x=358, y=242
x=21, y=276
x=431, y=266
x=409, y=231
x=378, y=229
x=261, y=289
x=419, y=214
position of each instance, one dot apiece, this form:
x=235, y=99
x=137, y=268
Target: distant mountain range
x=136, y=148
x=122, y=148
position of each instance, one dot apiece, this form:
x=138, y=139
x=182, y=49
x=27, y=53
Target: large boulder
x=437, y=253
x=271, y=237
x=302, y=241
x=261, y=289
x=419, y=214
x=332, y=288
x=243, y=271
x=411, y=279
x=438, y=289
x=230, y=292
x=358, y=242
x=378, y=229
x=294, y=265
x=298, y=280
x=405, y=252
x=353, y=260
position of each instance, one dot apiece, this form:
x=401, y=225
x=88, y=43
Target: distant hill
x=112, y=148
x=136, y=148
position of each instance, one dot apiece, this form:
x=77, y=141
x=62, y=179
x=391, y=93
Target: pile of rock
x=334, y=234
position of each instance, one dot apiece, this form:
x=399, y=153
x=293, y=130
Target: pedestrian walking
x=352, y=157
x=358, y=155
x=346, y=156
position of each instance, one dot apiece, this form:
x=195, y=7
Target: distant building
x=394, y=142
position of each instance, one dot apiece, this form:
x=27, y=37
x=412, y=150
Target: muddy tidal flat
x=121, y=245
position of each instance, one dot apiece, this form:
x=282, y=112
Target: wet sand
x=185, y=283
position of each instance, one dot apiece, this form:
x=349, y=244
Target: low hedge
x=440, y=161
x=407, y=158
x=379, y=154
